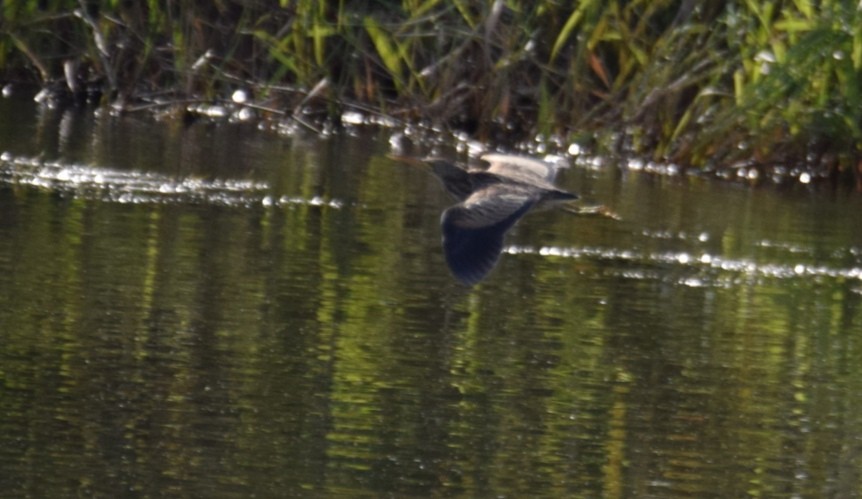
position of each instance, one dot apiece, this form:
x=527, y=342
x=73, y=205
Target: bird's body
x=490, y=202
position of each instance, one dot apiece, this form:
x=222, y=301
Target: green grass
x=703, y=85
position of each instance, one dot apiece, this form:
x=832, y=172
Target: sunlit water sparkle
x=215, y=311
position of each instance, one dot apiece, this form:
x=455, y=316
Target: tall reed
x=704, y=85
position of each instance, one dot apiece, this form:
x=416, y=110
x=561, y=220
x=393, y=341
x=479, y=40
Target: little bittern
x=490, y=202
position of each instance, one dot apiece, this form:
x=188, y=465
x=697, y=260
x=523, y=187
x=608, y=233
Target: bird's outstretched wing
x=473, y=230
x=521, y=168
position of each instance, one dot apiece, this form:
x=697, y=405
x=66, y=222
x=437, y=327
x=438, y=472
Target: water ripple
x=136, y=187
x=695, y=261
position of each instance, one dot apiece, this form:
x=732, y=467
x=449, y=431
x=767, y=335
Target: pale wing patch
x=520, y=167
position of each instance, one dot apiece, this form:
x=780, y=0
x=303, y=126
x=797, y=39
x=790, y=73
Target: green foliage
x=698, y=84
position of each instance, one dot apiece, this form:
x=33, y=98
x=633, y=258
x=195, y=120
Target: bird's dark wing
x=521, y=168
x=473, y=231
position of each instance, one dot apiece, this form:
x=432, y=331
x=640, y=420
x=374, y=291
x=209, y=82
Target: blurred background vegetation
x=769, y=86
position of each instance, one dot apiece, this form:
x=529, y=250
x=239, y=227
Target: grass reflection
x=295, y=350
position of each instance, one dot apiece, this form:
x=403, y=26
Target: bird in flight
x=490, y=202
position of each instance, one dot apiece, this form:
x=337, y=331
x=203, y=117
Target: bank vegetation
x=771, y=87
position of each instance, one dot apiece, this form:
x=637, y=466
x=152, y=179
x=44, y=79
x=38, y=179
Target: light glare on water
x=217, y=312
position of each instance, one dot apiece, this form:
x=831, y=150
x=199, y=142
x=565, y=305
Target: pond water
x=215, y=311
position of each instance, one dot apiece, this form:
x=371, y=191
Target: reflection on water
x=272, y=316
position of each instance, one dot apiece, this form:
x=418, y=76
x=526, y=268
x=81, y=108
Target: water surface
x=216, y=311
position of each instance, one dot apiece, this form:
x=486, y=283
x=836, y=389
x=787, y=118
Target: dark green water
x=215, y=311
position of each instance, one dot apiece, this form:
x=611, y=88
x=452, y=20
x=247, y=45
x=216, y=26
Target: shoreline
x=715, y=90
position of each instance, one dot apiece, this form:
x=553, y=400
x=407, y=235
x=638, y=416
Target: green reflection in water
x=308, y=349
